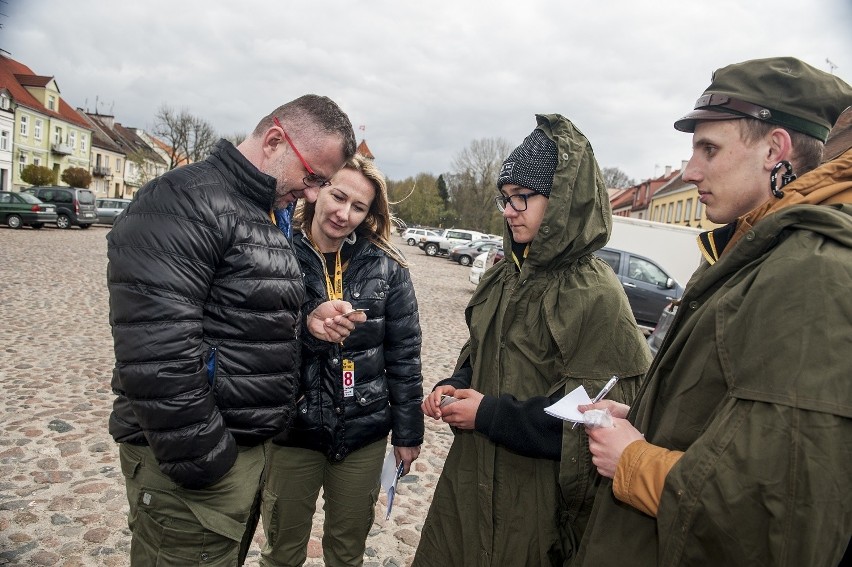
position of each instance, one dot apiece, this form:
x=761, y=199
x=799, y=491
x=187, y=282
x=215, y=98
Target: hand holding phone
x=447, y=400
x=354, y=311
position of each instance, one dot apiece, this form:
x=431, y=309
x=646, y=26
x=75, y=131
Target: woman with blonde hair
x=354, y=393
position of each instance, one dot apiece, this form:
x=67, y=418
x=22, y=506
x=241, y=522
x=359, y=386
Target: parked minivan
x=74, y=206
x=649, y=287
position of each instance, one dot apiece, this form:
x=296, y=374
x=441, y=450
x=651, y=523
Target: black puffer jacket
x=199, y=278
x=388, y=385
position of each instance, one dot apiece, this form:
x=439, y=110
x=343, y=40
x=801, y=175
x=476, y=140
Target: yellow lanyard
x=335, y=289
x=515, y=258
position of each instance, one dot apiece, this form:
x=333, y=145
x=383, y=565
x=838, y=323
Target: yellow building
x=677, y=203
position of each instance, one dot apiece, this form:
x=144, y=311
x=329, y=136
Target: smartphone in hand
x=354, y=311
x=446, y=400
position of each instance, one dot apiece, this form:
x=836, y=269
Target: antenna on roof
x=831, y=66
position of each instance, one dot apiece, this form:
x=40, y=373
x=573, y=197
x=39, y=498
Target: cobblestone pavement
x=62, y=499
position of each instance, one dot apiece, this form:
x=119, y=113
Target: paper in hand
x=391, y=473
x=566, y=408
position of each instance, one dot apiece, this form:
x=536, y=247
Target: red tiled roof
x=33, y=80
x=364, y=150
x=12, y=73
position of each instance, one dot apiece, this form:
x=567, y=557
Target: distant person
x=517, y=485
x=205, y=303
x=744, y=452
x=351, y=394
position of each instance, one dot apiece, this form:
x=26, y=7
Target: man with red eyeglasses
x=205, y=297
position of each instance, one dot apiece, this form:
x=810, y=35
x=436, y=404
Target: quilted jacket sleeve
x=402, y=360
x=163, y=255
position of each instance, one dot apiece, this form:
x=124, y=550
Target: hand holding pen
x=601, y=395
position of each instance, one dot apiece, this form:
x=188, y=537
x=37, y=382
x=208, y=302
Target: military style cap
x=778, y=90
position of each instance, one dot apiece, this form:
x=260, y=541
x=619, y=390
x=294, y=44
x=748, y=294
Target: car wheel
x=411, y=242
x=37, y=225
x=14, y=221
x=85, y=226
x=62, y=221
x=431, y=249
x=464, y=260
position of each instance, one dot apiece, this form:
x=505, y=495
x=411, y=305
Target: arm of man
x=161, y=266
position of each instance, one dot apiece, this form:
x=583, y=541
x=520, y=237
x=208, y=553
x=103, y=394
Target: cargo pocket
x=157, y=543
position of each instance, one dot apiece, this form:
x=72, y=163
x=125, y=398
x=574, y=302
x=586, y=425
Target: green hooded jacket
x=754, y=384
x=560, y=321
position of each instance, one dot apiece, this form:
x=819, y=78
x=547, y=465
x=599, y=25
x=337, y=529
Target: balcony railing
x=99, y=171
x=62, y=149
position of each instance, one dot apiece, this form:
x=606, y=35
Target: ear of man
x=779, y=148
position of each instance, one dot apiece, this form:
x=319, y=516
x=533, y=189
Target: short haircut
x=807, y=150
x=313, y=113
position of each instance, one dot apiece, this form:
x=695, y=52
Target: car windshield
x=30, y=198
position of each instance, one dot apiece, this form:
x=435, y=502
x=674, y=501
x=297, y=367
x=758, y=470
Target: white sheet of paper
x=566, y=408
x=388, y=477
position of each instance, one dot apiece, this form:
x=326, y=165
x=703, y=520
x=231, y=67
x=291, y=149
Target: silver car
x=108, y=209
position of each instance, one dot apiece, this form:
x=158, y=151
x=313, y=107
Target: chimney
x=668, y=171
x=683, y=163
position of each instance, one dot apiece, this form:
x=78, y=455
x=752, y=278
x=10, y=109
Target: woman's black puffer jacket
x=205, y=294
x=385, y=350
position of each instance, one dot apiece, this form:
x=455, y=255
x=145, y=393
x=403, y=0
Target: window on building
x=22, y=163
x=57, y=135
x=679, y=211
x=51, y=102
x=84, y=141
x=687, y=210
x=72, y=139
x=36, y=161
x=698, y=206
x=25, y=125
x=5, y=103
x=118, y=166
x=670, y=212
x=106, y=161
x=37, y=129
x=4, y=140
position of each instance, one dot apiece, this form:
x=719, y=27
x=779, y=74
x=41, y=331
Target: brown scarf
x=822, y=186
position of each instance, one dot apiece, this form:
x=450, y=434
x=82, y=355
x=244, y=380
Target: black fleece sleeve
x=460, y=379
x=523, y=427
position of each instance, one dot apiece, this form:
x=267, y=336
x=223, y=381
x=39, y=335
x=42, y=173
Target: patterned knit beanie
x=531, y=164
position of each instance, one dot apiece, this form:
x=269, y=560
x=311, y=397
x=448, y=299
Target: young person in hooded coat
x=518, y=484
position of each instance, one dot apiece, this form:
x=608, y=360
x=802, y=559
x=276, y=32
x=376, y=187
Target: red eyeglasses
x=311, y=179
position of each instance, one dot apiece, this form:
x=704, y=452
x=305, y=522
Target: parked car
x=649, y=287
x=74, y=206
x=413, y=235
x=483, y=262
x=464, y=253
x=108, y=209
x=23, y=209
x=451, y=237
x=655, y=339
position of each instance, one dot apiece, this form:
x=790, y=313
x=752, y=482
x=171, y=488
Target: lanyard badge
x=348, y=378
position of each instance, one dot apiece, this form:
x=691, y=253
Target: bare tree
x=616, y=179
x=473, y=183
x=189, y=138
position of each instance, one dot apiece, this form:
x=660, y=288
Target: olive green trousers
x=350, y=491
x=171, y=525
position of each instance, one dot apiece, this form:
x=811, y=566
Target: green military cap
x=778, y=90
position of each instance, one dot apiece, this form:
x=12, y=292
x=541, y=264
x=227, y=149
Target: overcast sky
x=425, y=78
